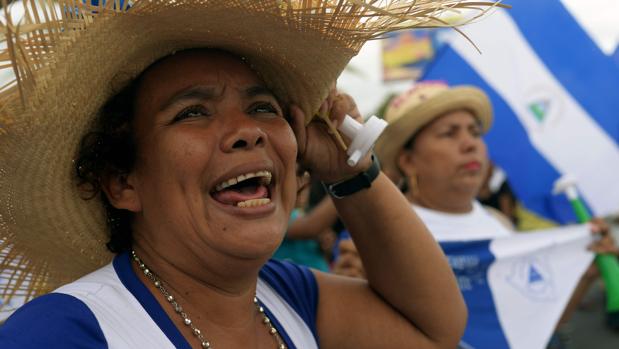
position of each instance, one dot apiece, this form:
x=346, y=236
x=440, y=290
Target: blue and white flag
x=556, y=103
x=516, y=288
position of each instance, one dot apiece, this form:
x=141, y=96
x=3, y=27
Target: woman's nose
x=469, y=143
x=244, y=134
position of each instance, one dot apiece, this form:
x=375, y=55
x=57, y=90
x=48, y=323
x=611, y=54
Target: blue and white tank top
x=112, y=308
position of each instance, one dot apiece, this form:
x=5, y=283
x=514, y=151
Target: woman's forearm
x=315, y=222
x=403, y=263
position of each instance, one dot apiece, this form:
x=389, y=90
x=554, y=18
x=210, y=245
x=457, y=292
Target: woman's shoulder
x=290, y=292
x=293, y=282
x=282, y=271
x=500, y=217
x=54, y=320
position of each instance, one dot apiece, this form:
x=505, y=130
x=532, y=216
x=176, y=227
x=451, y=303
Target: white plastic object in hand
x=566, y=184
x=363, y=136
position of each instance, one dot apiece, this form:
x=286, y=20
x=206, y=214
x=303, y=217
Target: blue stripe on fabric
x=529, y=173
x=122, y=266
x=470, y=262
x=280, y=329
x=297, y=286
x=589, y=75
x=52, y=321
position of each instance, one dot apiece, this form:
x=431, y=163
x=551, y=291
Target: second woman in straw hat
x=433, y=147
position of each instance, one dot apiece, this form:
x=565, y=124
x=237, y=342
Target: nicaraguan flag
x=556, y=101
x=517, y=287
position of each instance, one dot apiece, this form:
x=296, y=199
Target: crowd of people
x=149, y=209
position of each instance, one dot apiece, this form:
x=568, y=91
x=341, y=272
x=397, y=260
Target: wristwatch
x=352, y=185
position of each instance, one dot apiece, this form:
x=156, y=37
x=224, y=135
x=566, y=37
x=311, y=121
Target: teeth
x=265, y=178
x=253, y=203
x=232, y=181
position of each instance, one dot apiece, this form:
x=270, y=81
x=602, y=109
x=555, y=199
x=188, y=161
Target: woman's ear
x=406, y=163
x=407, y=166
x=121, y=191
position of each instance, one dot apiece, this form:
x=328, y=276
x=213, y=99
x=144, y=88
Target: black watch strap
x=352, y=185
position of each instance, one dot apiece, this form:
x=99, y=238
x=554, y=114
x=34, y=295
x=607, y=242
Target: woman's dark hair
x=407, y=146
x=109, y=149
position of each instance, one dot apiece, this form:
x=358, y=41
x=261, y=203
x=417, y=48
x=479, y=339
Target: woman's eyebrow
x=258, y=90
x=450, y=126
x=199, y=92
x=457, y=125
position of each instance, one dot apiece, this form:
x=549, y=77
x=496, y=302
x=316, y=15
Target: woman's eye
x=476, y=133
x=194, y=111
x=449, y=133
x=264, y=108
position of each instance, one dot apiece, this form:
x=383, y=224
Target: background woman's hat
x=424, y=102
x=65, y=55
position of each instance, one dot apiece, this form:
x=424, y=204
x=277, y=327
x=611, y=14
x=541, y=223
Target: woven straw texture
x=68, y=58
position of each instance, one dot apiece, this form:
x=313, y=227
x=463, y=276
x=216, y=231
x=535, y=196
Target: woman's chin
x=470, y=184
x=254, y=243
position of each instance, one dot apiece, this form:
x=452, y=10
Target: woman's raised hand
x=603, y=242
x=319, y=151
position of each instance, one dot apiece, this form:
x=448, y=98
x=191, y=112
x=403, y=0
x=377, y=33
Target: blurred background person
x=309, y=237
x=434, y=150
x=496, y=193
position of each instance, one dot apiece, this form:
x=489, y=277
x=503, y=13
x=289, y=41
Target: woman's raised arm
x=411, y=298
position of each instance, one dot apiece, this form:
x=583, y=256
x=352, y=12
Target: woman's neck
x=448, y=202
x=228, y=319
x=229, y=304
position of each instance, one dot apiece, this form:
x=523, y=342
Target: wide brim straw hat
x=67, y=58
x=426, y=101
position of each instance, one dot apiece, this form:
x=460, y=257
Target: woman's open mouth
x=247, y=190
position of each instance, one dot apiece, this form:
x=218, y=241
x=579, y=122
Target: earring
x=413, y=184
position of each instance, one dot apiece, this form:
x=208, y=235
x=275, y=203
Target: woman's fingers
x=599, y=226
x=344, y=105
x=604, y=242
x=605, y=245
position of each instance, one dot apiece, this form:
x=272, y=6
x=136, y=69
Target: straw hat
x=424, y=102
x=67, y=58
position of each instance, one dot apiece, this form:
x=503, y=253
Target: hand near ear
x=319, y=150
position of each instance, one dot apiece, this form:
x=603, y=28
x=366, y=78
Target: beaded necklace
x=187, y=321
